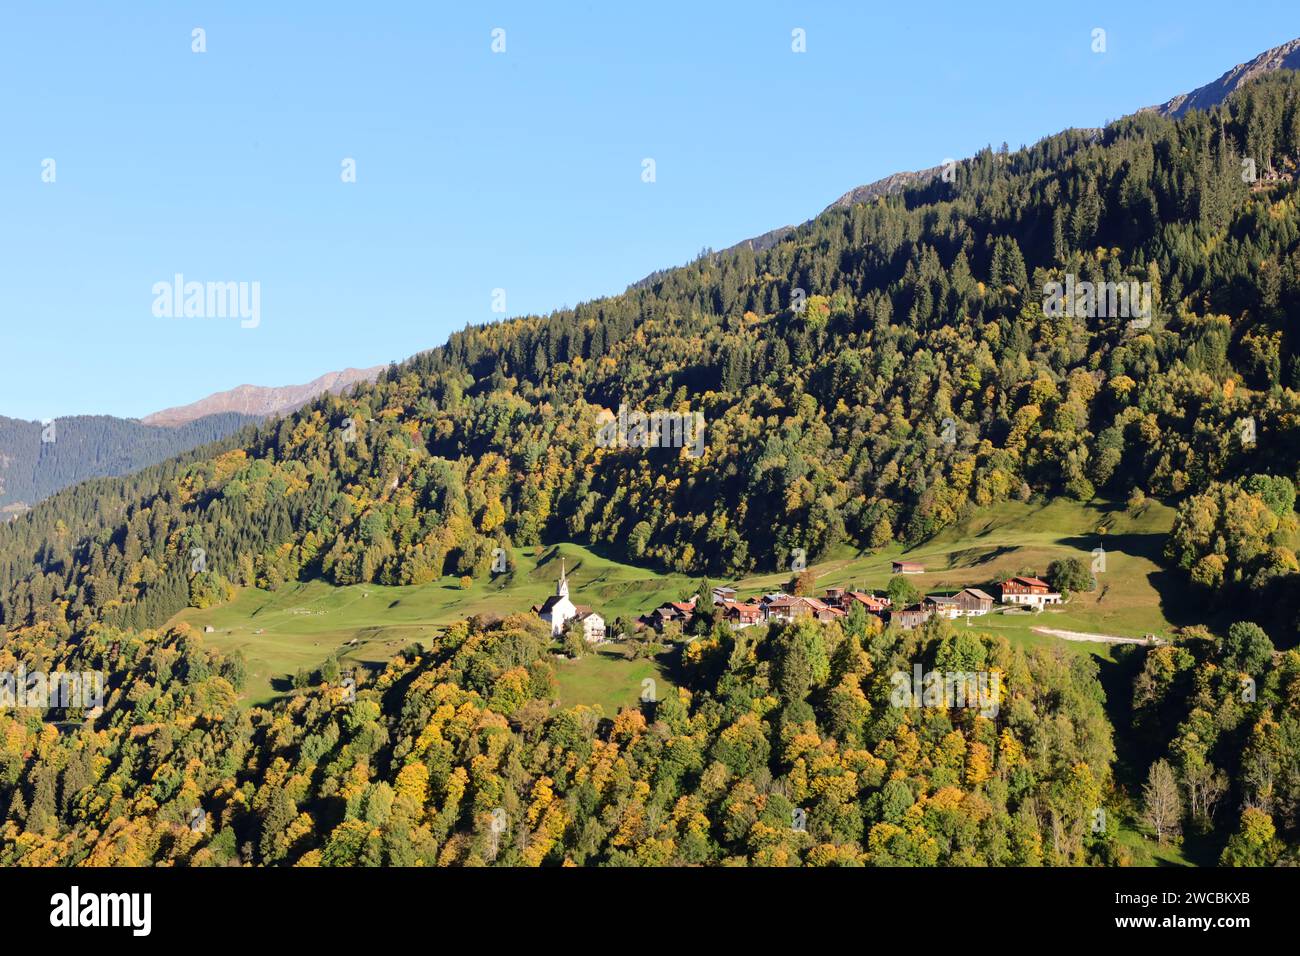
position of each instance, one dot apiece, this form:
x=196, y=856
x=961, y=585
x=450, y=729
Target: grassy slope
x=606, y=678
x=304, y=623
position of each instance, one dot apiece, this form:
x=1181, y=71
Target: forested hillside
x=37, y=459
x=823, y=424
x=873, y=376
x=456, y=756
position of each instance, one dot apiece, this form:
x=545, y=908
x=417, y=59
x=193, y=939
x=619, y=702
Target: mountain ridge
x=262, y=401
x=1283, y=56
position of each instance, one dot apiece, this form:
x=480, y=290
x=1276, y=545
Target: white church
x=559, y=610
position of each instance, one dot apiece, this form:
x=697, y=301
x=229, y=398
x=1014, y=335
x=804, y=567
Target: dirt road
x=1097, y=638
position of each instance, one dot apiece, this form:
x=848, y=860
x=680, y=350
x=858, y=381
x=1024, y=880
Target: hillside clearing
x=365, y=625
x=303, y=624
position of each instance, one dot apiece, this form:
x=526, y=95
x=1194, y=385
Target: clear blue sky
x=478, y=170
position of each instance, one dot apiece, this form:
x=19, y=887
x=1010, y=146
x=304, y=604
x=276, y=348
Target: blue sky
x=475, y=170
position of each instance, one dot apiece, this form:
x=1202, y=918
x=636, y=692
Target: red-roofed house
x=821, y=610
x=789, y=608
x=1028, y=591
x=872, y=603
x=681, y=611
x=742, y=614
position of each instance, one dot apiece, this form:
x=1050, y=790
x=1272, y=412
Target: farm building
x=910, y=617
x=942, y=605
x=1028, y=591
x=973, y=602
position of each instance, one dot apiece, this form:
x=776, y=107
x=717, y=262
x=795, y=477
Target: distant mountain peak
x=1284, y=57
x=263, y=400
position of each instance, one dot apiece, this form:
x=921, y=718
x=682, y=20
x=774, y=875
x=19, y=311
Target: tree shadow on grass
x=1148, y=545
x=978, y=557
x=1179, y=604
x=1134, y=754
x=550, y=562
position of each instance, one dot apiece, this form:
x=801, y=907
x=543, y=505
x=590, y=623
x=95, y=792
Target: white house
x=942, y=605
x=593, y=625
x=723, y=595
x=1029, y=591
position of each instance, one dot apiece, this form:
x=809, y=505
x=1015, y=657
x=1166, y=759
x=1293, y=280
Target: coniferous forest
x=40, y=458
x=826, y=367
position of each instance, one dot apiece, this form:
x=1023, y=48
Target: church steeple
x=562, y=589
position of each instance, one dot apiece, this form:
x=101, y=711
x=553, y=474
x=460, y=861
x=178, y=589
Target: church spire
x=562, y=589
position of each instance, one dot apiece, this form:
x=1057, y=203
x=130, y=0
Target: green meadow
x=605, y=677
x=301, y=625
